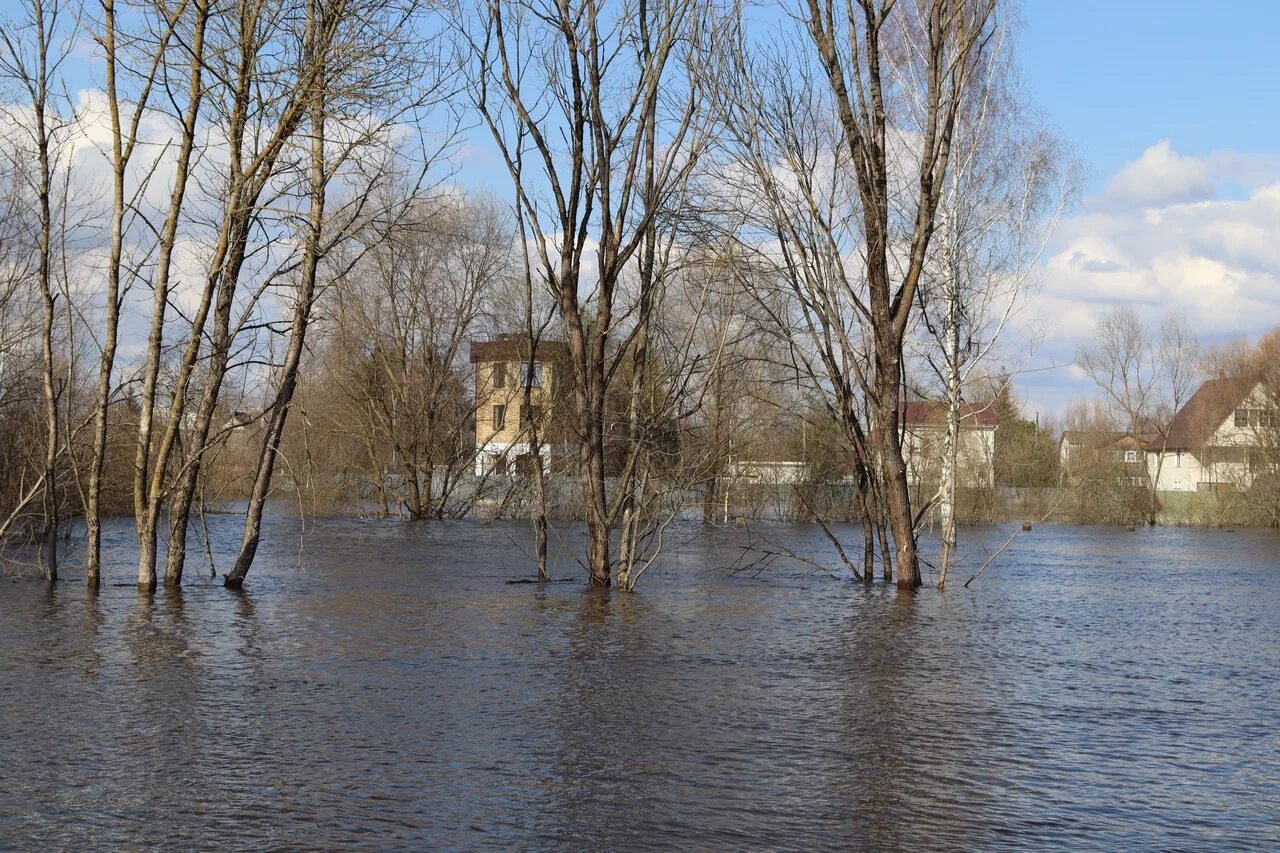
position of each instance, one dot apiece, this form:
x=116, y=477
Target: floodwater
x=1094, y=690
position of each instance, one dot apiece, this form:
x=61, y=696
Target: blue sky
x=1171, y=107
x=1115, y=77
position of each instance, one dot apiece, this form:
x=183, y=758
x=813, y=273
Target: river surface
x=1094, y=690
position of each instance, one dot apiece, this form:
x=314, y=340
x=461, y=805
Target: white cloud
x=1161, y=176
x=1162, y=238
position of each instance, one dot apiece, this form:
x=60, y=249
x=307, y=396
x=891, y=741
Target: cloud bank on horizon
x=1169, y=232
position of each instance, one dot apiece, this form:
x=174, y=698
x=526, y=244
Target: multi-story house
x=924, y=436
x=508, y=423
x=1226, y=435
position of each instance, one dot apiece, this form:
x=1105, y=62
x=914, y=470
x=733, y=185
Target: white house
x=1086, y=454
x=924, y=436
x=1221, y=439
x=768, y=472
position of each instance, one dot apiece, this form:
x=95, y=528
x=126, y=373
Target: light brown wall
x=512, y=396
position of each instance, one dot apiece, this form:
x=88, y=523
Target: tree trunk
x=49, y=502
x=951, y=445
x=592, y=457
x=102, y=396
x=589, y=395
x=184, y=496
x=897, y=503
x=535, y=448
x=869, y=524
x=148, y=482
x=540, y=517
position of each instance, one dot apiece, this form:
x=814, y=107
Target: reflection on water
x=1095, y=690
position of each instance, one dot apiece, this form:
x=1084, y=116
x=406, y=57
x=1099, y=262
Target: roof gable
x=1197, y=421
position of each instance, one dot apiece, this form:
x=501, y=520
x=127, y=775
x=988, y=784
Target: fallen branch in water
x=1009, y=542
x=831, y=537
x=768, y=556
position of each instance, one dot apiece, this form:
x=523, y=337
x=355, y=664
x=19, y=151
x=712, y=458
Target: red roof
x=934, y=414
x=516, y=348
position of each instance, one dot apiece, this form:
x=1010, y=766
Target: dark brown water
x=1095, y=690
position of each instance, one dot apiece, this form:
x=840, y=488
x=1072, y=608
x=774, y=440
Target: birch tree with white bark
x=1005, y=191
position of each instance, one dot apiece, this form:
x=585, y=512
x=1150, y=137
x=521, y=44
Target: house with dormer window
x=1221, y=440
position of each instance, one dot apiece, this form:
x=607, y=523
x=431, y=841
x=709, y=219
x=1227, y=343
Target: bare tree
x=537, y=318
x=1144, y=381
x=35, y=47
x=136, y=60
x=1005, y=191
x=603, y=99
x=257, y=97
x=151, y=459
x=369, y=73
x=848, y=140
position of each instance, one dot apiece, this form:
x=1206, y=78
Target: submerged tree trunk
x=151, y=463
x=124, y=142
x=102, y=396
x=252, y=163
x=538, y=470
x=630, y=481
x=897, y=494
x=239, y=215
x=50, y=509
x=951, y=442
x=591, y=460
x=279, y=412
x=540, y=517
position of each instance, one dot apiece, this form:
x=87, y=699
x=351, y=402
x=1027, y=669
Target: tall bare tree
x=594, y=106
x=1006, y=188
x=36, y=43
x=133, y=64
x=261, y=66
x=846, y=133
x=151, y=458
x=373, y=70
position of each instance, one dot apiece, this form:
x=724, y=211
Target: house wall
x=1221, y=467
x=922, y=450
x=509, y=440
x=1175, y=471
x=1223, y=461
x=1229, y=435
x=511, y=396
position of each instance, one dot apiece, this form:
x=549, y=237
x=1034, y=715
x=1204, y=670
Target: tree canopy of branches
x=844, y=132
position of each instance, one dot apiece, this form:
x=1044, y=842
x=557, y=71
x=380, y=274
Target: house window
x=1131, y=456
x=499, y=417
x=1255, y=418
x=500, y=375
x=525, y=414
x=1177, y=459
x=537, y=375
